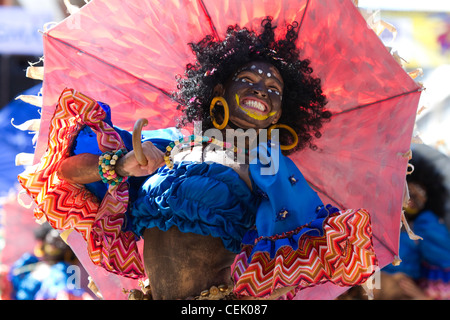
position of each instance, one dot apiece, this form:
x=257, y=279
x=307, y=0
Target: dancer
x=222, y=220
x=425, y=268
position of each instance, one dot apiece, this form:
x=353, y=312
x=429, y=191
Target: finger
x=153, y=164
x=155, y=159
x=151, y=149
x=136, y=140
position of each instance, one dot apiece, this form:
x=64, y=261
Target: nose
x=260, y=93
x=259, y=89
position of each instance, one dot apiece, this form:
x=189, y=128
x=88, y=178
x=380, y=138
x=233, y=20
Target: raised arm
x=83, y=168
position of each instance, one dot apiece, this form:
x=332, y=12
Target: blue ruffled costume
x=211, y=199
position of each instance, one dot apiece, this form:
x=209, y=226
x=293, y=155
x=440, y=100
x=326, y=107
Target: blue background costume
x=28, y=286
x=428, y=258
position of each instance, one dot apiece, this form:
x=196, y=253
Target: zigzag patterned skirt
x=343, y=255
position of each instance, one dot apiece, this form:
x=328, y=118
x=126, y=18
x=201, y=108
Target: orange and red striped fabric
x=71, y=206
x=344, y=255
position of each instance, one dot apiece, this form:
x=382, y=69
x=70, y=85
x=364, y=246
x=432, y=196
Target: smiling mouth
x=254, y=108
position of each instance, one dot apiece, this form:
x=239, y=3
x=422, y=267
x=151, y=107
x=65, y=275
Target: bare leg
x=180, y=265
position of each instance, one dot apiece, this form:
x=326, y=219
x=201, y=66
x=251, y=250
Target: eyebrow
x=255, y=72
x=278, y=81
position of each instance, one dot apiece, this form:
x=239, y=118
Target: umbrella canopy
x=127, y=55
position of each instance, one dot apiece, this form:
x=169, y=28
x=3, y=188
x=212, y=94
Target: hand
x=410, y=288
x=128, y=166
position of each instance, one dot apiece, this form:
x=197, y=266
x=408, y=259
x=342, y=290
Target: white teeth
x=255, y=104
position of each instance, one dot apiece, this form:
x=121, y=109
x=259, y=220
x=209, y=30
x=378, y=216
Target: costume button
x=283, y=214
x=293, y=180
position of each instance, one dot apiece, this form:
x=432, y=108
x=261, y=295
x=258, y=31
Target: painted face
x=254, y=95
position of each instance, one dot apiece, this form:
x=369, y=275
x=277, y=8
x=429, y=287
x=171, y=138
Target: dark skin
x=258, y=88
x=184, y=264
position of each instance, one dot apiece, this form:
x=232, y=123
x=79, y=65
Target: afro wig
x=216, y=61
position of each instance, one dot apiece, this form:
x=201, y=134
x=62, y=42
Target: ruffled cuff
x=342, y=253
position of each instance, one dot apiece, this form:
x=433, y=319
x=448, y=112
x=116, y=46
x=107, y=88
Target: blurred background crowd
x=34, y=265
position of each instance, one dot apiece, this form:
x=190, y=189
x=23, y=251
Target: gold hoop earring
x=226, y=115
x=284, y=126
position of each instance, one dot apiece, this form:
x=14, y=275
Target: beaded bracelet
x=190, y=141
x=106, y=167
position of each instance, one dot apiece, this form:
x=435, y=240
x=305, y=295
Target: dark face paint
x=254, y=95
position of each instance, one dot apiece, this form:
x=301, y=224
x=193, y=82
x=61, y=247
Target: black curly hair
x=303, y=100
x=429, y=177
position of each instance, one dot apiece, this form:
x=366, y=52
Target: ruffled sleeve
x=68, y=206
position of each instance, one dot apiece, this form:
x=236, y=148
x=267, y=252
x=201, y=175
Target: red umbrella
x=127, y=53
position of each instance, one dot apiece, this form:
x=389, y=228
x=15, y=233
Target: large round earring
x=284, y=126
x=226, y=115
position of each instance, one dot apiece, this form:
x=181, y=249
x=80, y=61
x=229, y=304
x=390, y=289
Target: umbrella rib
x=378, y=101
x=114, y=67
x=208, y=16
x=384, y=245
x=315, y=187
x=341, y=206
x=303, y=17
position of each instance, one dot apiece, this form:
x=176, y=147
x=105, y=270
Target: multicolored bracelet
x=191, y=141
x=107, y=165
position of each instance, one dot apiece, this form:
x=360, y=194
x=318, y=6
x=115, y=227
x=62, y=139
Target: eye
x=246, y=79
x=275, y=90
x=274, y=87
